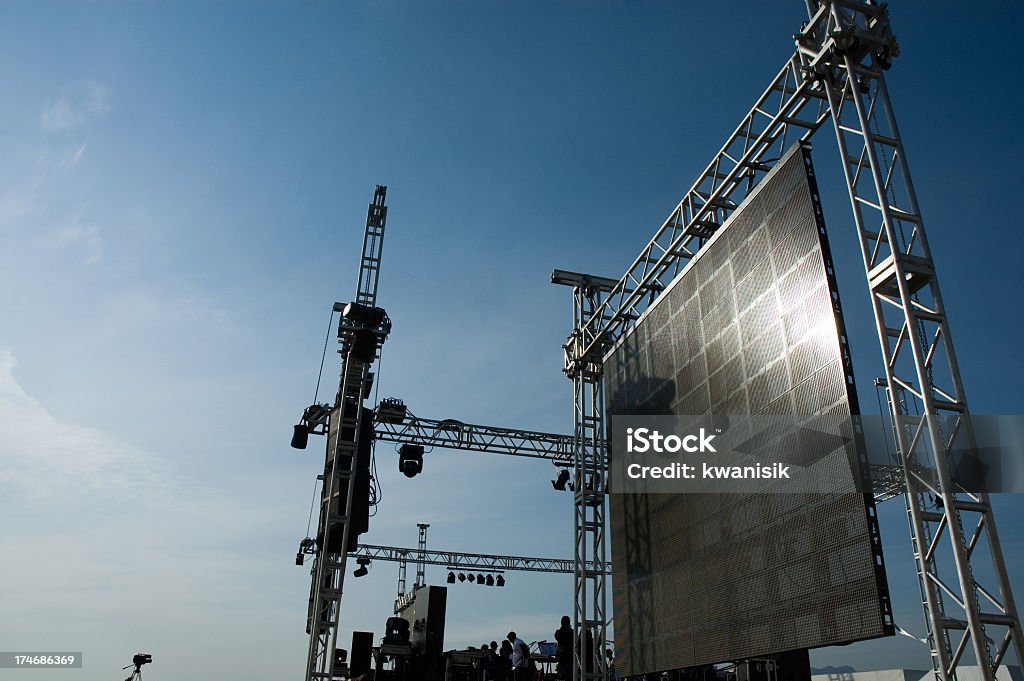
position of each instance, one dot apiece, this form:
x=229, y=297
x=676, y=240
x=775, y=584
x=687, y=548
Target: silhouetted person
x=486, y=663
x=505, y=655
x=588, y=653
x=563, y=653
x=520, y=658
x=500, y=663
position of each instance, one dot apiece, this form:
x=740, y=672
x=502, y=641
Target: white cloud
x=43, y=457
x=72, y=110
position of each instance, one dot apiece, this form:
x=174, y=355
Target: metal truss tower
x=360, y=341
x=836, y=73
x=849, y=46
x=589, y=463
x=421, y=567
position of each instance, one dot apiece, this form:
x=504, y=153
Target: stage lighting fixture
x=462, y=577
x=471, y=577
x=298, y=558
x=451, y=577
x=410, y=460
x=480, y=578
x=500, y=581
x=300, y=436
x=370, y=317
x=562, y=480
x=362, y=570
x=490, y=580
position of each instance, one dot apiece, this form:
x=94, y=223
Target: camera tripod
x=139, y=660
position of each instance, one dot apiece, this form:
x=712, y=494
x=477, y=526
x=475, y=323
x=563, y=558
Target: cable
x=323, y=357
x=885, y=436
x=312, y=503
x=376, y=492
x=376, y=382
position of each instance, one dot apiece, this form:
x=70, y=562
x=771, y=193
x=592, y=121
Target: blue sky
x=181, y=201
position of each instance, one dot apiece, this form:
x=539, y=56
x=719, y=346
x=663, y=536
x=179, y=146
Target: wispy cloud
x=85, y=236
x=72, y=158
x=74, y=109
x=44, y=457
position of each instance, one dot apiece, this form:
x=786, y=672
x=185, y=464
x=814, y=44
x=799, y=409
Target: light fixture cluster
x=479, y=578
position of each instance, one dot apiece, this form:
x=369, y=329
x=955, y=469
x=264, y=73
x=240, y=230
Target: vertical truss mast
x=360, y=342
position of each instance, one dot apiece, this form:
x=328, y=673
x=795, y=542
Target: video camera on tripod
x=138, y=660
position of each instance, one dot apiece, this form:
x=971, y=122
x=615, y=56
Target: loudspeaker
x=794, y=665
x=360, y=661
x=360, y=518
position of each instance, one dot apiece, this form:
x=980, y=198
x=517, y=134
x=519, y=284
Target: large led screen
x=751, y=327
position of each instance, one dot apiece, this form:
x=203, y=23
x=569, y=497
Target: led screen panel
x=752, y=326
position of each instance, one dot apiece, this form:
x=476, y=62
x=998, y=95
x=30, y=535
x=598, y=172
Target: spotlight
x=410, y=460
x=462, y=577
x=300, y=436
x=480, y=579
x=451, y=577
x=471, y=578
x=562, y=480
x=361, y=571
x=490, y=580
x=500, y=581
x=370, y=317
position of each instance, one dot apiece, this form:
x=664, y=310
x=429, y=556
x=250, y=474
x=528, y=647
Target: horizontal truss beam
x=472, y=437
x=457, y=560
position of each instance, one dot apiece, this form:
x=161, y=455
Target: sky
x=182, y=197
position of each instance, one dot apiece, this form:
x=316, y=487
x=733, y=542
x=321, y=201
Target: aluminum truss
x=328, y=568
x=456, y=560
x=849, y=46
x=406, y=597
x=421, y=567
x=589, y=462
x=887, y=481
x=837, y=72
x=454, y=434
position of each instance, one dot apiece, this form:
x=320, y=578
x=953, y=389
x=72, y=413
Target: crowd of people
x=511, y=661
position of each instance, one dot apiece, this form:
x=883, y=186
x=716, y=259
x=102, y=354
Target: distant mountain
x=845, y=669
